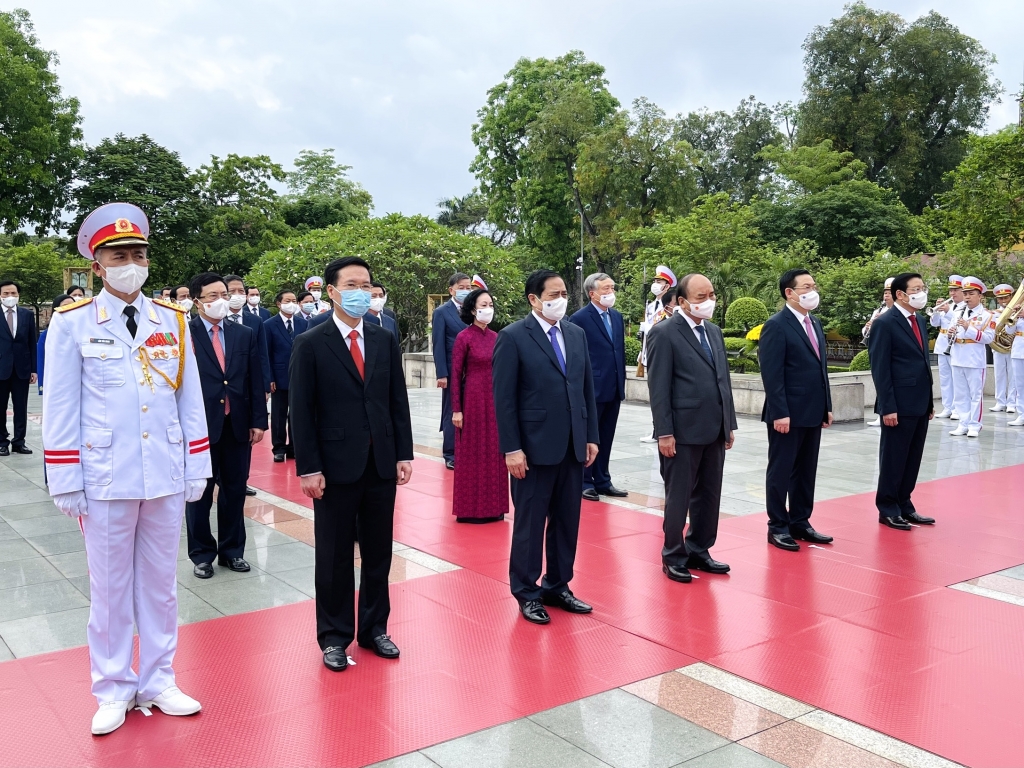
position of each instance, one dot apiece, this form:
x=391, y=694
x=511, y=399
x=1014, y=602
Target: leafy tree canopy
x=38, y=269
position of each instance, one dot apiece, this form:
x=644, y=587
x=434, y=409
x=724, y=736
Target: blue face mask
x=460, y=296
x=355, y=303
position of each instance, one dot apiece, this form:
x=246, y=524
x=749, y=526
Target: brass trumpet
x=940, y=307
x=1005, y=326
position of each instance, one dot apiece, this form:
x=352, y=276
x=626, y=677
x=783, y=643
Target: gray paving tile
x=16, y=549
x=58, y=543
x=6, y=532
x=30, y=570
x=519, y=744
x=300, y=578
x=41, y=526
x=284, y=557
x=70, y=564
x=26, y=511
x=627, y=732
x=1017, y=572
x=243, y=595
x=49, y=632
x=30, y=495
x=39, y=599
x=259, y=535
x=731, y=756
x=192, y=608
x=412, y=760
x=5, y=652
x=81, y=583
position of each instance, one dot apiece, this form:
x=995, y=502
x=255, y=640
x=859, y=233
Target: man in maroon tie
x=797, y=406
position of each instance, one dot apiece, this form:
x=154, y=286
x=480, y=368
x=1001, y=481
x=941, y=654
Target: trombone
x=940, y=307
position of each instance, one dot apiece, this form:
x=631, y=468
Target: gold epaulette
x=76, y=305
x=170, y=305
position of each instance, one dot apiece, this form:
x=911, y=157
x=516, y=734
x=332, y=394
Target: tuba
x=1005, y=326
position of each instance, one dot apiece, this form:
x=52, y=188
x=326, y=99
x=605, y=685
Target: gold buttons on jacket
x=103, y=355
x=222, y=402
x=145, y=408
x=225, y=382
x=89, y=446
x=145, y=435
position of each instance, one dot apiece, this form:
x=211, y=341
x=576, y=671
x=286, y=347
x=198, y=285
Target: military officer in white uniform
x=1017, y=361
x=943, y=315
x=1006, y=395
x=125, y=445
x=664, y=278
x=315, y=286
x=975, y=328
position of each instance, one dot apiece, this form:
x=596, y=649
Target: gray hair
x=590, y=284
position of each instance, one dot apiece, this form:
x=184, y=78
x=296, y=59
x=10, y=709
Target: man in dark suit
x=379, y=313
x=547, y=429
x=445, y=326
x=797, y=405
x=902, y=374
x=606, y=340
x=353, y=446
x=230, y=371
x=695, y=420
x=17, y=365
x=281, y=330
x=252, y=304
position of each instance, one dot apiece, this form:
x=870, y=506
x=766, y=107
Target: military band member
x=943, y=315
x=315, y=285
x=1006, y=396
x=865, y=332
x=125, y=446
x=664, y=278
x=1017, y=361
x=975, y=327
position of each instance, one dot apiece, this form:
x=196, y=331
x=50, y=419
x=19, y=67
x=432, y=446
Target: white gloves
x=72, y=503
x=194, y=489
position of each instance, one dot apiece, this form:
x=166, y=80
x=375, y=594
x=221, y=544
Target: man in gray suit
x=694, y=419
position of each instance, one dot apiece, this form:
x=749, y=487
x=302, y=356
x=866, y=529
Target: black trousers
x=548, y=497
x=792, y=470
x=597, y=474
x=693, y=482
x=280, y=424
x=447, y=428
x=370, y=501
x=16, y=390
x=230, y=458
x=899, y=461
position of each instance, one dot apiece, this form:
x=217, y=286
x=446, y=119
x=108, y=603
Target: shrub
x=735, y=345
x=733, y=333
x=633, y=347
x=839, y=368
x=860, y=362
x=745, y=313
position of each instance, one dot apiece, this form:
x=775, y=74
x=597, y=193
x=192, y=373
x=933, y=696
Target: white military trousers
x=946, y=382
x=969, y=383
x=1004, y=379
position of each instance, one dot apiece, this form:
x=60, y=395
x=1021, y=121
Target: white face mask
x=126, y=279
x=9, y=301
x=657, y=288
x=236, y=302
x=186, y=304
x=554, y=311
x=290, y=308
x=918, y=300
x=607, y=301
x=485, y=314
x=809, y=300
x=377, y=305
x=316, y=294
x=705, y=310
x=217, y=309
x=254, y=301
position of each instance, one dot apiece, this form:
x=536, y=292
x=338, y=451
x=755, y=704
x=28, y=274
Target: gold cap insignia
x=122, y=225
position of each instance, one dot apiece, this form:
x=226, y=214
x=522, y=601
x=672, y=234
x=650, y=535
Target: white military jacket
x=969, y=349
x=123, y=418
x=942, y=321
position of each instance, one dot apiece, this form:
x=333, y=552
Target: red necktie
x=218, y=350
x=917, y=331
x=357, y=355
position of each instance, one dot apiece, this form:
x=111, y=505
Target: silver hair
x=590, y=284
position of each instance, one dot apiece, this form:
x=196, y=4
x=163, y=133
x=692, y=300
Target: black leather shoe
x=567, y=601
x=450, y=463
x=895, y=522
x=5, y=451
x=249, y=491
x=913, y=517
x=709, y=565
x=811, y=535
x=278, y=458
x=611, y=490
x=677, y=573
x=591, y=495
x=335, y=659
x=783, y=541
x=202, y=570
x=234, y=564
x=382, y=646
x=533, y=611
x=21, y=449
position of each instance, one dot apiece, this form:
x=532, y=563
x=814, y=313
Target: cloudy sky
x=394, y=85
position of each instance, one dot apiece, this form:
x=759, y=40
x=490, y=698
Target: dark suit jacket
x=445, y=326
x=241, y=383
x=607, y=353
x=690, y=399
x=795, y=380
x=18, y=354
x=335, y=414
x=384, y=320
x=249, y=320
x=279, y=346
x=536, y=405
x=264, y=314
x=315, y=320
x=900, y=367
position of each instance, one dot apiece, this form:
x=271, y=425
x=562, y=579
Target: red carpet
x=865, y=629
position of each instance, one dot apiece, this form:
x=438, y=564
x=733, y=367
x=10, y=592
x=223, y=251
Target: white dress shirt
x=547, y=326
x=346, y=330
x=693, y=326
x=800, y=319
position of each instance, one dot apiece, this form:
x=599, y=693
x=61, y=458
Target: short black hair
x=74, y=288
x=203, y=279
x=669, y=295
x=175, y=289
x=788, y=279
x=301, y=295
x=230, y=279
x=281, y=293
x=536, y=281
x=58, y=299
x=901, y=281
x=331, y=270
x=252, y=288
x=468, y=311
x=375, y=284
x=5, y=283
x=457, y=277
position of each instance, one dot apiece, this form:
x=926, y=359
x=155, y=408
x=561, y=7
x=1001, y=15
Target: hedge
x=745, y=313
x=633, y=347
x=860, y=362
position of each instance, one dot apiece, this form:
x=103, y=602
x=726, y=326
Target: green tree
x=40, y=133
x=813, y=168
x=322, y=194
x=468, y=214
x=38, y=269
x=902, y=97
x=852, y=288
x=411, y=255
